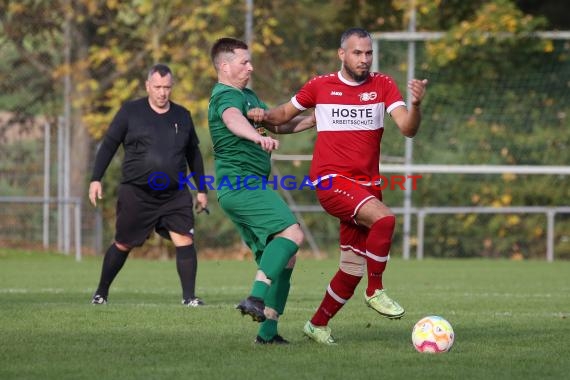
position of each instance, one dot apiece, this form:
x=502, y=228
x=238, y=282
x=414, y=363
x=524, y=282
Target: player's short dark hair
x=160, y=68
x=359, y=32
x=225, y=45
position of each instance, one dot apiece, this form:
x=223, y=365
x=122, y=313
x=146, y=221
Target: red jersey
x=350, y=123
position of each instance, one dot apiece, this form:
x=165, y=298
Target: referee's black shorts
x=138, y=212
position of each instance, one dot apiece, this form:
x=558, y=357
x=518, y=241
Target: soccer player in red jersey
x=349, y=109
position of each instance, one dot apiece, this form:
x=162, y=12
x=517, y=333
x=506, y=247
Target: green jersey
x=235, y=158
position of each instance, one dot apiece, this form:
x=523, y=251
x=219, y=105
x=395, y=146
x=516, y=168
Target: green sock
x=276, y=256
x=276, y=296
x=268, y=329
x=259, y=289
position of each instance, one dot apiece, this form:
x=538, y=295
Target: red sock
x=377, y=250
x=339, y=291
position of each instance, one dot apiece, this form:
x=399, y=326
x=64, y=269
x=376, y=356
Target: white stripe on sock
x=335, y=296
x=380, y=259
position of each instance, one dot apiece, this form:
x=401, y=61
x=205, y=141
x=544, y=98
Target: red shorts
x=343, y=198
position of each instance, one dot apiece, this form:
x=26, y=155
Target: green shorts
x=258, y=215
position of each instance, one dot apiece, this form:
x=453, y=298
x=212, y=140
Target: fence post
x=409, y=147
x=47, y=149
x=77, y=229
x=550, y=214
x=421, y=230
x=60, y=175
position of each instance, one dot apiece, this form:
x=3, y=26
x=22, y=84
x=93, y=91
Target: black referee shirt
x=153, y=143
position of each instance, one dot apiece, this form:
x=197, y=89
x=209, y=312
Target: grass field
x=511, y=319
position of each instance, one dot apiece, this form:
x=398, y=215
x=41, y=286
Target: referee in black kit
x=159, y=141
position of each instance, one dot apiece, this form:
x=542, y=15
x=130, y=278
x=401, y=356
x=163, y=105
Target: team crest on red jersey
x=367, y=96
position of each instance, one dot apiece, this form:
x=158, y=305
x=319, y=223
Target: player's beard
x=355, y=76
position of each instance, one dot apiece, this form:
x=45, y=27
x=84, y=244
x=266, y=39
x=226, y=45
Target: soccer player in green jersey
x=242, y=149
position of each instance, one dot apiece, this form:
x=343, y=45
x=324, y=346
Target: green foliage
x=480, y=48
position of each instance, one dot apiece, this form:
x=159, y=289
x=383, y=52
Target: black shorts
x=138, y=212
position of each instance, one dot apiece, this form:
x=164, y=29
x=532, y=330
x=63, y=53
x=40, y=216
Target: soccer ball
x=433, y=335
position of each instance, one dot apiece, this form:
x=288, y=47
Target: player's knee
x=352, y=263
x=373, y=211
x=122, y=247
x=293, y=233
x=180, y=240
x=297, y=235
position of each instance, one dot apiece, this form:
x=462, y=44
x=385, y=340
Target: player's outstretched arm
x=276, y=116
x=297, y=124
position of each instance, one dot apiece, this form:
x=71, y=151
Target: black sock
x=112, y=264
x=187, y=266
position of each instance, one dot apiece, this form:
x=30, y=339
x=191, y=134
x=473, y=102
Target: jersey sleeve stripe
x=297, y=104
x=394, y=105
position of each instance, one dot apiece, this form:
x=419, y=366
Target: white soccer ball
x=433, y=335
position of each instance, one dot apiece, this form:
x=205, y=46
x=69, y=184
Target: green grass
x=511, y=321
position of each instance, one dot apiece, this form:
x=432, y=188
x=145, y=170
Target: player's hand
x=267, y=143
x=256, y=114
x=202, y=203
x=95, y=192
x=418, y=89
